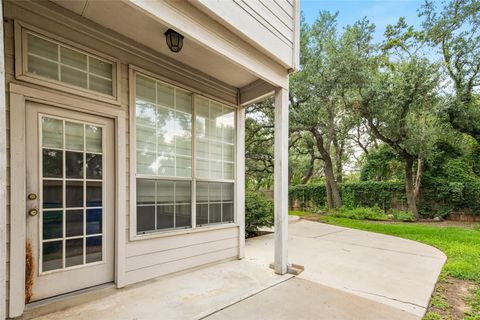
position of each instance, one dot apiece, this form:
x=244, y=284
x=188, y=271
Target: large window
x=168, y=173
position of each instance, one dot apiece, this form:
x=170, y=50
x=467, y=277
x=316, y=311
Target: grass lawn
x=461, y=271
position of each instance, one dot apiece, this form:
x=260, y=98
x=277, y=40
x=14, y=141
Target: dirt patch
x=450, y=298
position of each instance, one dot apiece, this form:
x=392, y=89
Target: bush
x=258, y=212
x=361, y=213
x=399, y=215
x=438, y=197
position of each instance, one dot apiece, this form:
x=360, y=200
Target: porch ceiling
x=121, y=18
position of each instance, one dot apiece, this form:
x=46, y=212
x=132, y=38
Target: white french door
x=70, y=202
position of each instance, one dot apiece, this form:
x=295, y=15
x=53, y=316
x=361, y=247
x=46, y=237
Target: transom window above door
x=184, y=158
x=66, y=67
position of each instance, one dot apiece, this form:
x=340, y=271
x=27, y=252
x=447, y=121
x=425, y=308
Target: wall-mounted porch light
x=174, y=40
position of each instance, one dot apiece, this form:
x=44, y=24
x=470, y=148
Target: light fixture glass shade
x=174, y=40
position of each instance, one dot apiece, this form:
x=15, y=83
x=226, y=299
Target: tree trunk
x=306, y=177
x=410, y=189
x=328, y=194
x=330, y=179
x=333, y=195
x=339, y=163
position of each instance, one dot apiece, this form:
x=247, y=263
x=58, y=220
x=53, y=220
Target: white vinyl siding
x=269, y=24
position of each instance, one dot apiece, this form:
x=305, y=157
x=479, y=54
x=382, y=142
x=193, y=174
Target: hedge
x=436, y=198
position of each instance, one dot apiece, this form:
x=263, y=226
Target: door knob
x=32, y=196
x=33, y=212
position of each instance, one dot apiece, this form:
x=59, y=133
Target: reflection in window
x=164, y=158
x=51, y=60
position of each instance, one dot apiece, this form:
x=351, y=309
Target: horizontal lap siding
x=269, y=23
x=156, y=257
x=9, y=76
x=145, y=259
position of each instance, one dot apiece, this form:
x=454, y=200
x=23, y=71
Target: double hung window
x=184, y=146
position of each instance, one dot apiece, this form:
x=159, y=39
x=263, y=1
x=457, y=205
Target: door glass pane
x=94, y=194
x=52, y=194
x=74, y=136
x=52, y=255
x=93, y=137
x=74, y=194
x=94, y=166
x=94, y=249
x=74, y=164
x=73, y=252
x=52, y=132
x=94, y=221
x=74, y=223
x=52, y=163
x=52, y=225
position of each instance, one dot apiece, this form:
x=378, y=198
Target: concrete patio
x=349, y=274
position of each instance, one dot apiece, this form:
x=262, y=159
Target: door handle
x=33, y=212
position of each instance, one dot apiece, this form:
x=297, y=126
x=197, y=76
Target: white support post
x=281, y=181
x=240, y=181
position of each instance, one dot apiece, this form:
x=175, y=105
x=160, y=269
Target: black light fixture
x=174, y=40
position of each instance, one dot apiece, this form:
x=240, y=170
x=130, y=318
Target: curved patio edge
x=398, y=272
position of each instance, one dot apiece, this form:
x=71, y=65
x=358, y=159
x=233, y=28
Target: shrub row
x=436, y=198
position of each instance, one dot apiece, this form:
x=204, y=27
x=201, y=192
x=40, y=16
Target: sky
x=380, y=12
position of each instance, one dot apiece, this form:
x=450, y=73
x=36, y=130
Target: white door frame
x=19, y=95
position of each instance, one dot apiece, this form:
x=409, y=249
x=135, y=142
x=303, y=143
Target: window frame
x=21, y=69
x=133, y=71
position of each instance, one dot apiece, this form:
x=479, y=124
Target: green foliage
x=382, y=165
x=360, y=194
x=432, y=316
x=399, y=215
x=474, y=303
x=360, y=213
x=258, y=212
x=438, y=197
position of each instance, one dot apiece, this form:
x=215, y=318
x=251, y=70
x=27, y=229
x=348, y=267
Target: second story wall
x=271, y=25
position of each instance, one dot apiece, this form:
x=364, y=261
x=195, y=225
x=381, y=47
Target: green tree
x=455, y=30
x=395, y=92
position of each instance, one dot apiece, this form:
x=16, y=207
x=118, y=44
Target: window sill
x=173, y=233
